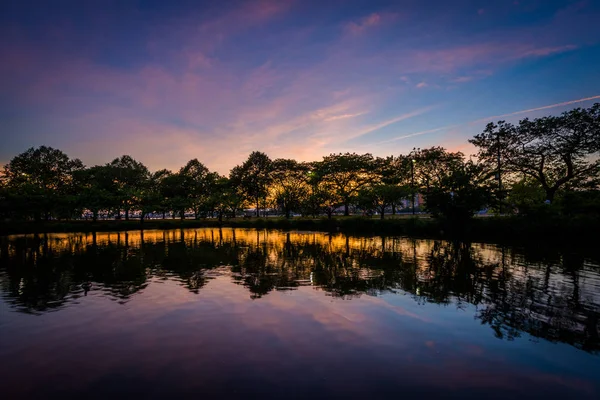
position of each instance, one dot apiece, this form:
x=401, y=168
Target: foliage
x=253, y=177
x=346, y=174
x=379, y=197
x=289, y=184
x=520, y=168
x=40, y=180
x=460, y=194
x=556, y=151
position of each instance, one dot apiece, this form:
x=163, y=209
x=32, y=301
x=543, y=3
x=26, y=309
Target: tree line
x=519, y=168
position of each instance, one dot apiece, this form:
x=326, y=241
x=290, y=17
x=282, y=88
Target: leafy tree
x=173, y=188
x=431, y=166
x=394, y=172
x=289, y=184
x=131, y=178
x=97, y=189
x=39, y=180
x=526, y=195
x=346, y=174
x=198, y=181
x=225, y=198
x=556, y=151
x=159, y=190
x=462, y=192
x=380, y=196
x=253, y=177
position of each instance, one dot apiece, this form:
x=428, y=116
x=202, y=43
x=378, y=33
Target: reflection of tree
x=540, y=292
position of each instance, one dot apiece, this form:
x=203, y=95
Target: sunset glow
x=166, y=83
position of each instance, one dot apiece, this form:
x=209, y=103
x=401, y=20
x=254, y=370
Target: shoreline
x=497, y=229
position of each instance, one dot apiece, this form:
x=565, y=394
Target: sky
x=169, y=81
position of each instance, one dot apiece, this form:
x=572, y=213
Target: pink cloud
x=359, y=27
x=363, y=25
x=463, y=79
x=450, y=60
x=200, y=101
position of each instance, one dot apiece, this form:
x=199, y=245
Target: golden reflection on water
x=196, y=297
x=414, y=251
x=554, y=295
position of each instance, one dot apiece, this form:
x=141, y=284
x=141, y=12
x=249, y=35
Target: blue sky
x=169, y=81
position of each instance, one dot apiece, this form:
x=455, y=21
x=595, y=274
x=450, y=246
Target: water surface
x=211, y=313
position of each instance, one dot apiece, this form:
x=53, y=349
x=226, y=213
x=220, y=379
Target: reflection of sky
x=169, y=339
x=167, y=82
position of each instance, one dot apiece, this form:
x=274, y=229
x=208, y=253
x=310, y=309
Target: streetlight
x=412, y=174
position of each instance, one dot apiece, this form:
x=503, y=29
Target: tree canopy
x=518, y=168
x=555, y=151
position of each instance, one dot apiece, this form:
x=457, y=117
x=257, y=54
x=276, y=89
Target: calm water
x=228, y=313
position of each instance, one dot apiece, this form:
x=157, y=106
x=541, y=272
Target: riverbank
x=500, y=229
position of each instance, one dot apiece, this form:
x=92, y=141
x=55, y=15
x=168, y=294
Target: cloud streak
x=491, y=118
x=278, y=76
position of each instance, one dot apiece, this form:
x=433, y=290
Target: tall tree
x=225, y=198
x=39, y=180
x=197, y=180
x=465, y=190
x=174, y=190
x=97, y=189
x=432, y=165
x=131, y=178
x=158, y=180
x=253, y=177
x=394, y=172
x=289, y=184
x=346, y=174
x=556, y=151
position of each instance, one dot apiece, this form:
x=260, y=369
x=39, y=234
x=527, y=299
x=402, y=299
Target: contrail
x=566, y=103
x=389, y=122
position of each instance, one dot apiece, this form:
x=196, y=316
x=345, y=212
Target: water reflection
x=541, y=292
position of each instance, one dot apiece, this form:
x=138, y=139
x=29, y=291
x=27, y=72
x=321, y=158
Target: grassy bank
x=499, y=229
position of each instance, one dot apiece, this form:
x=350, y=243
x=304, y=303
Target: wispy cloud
x=255, y=75
x=565, y=103
x=359, y=27
x=343, y=116
x=395, y=139
x=490, y=118
x=364, y=24
x=383, y=124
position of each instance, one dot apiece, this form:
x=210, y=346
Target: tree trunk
x=142, y=217
x=287, y=213
x=95, y=215
x=550, y=193
x=164, y=215
x=126, y=215
x=257, y=208
x=346, y=209
x=329, y=212
x=182, y=214
x=382, y=212
x=393, y=208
